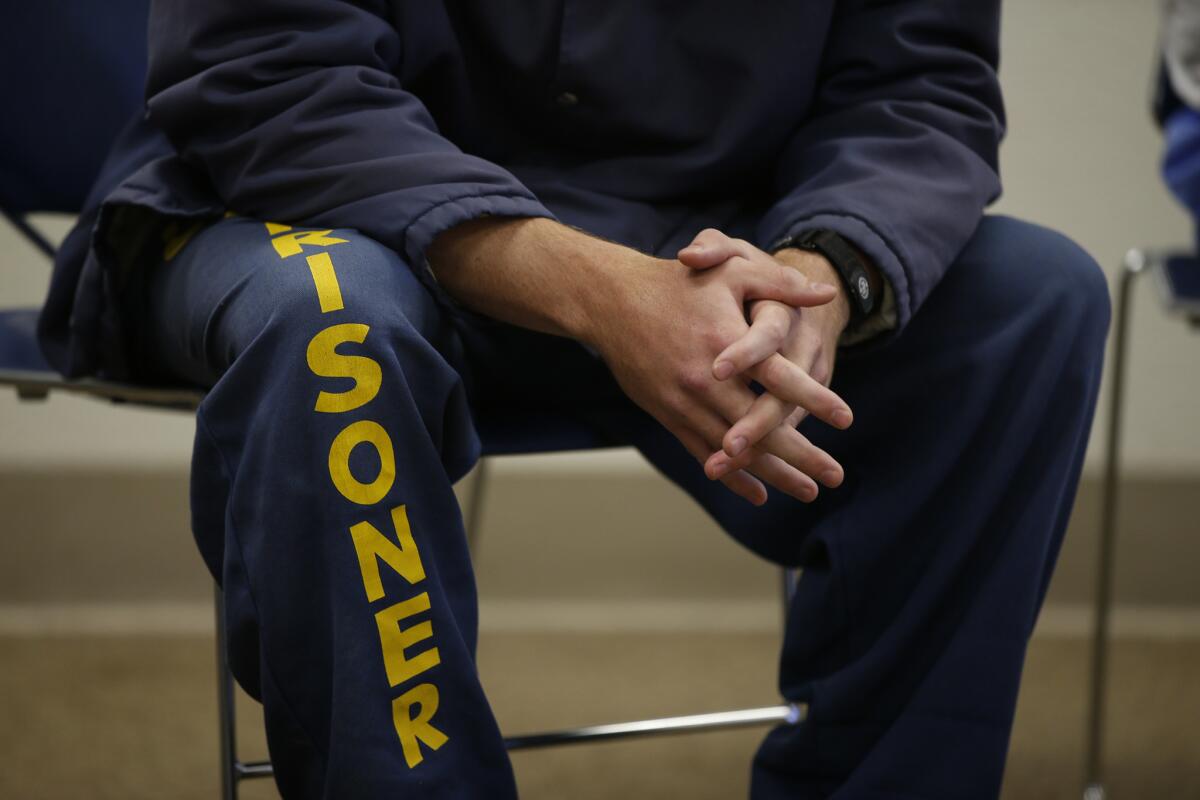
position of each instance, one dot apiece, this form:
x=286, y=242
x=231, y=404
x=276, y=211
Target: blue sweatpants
x=343, y=406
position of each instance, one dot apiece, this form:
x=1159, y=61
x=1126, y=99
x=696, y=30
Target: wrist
x=594, y=281
x=609, y=288
x=817, y=268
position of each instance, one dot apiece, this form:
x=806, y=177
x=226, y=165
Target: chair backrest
x=74, y=73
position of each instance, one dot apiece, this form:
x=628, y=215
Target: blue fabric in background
x=1181, y=159
x=74, y=71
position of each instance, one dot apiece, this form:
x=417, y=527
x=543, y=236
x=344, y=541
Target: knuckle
x=693, y=380
x=717, y=340
x=774, y=371
x=739, y=262
x=777, y=329
x=675, y=402
x=754, y=431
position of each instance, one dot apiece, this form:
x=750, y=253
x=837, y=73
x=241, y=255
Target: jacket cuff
x=421, y=232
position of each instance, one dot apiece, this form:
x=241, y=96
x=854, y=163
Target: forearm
x=532, y=272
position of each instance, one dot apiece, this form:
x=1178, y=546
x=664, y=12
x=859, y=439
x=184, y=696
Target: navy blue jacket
x=642, y=121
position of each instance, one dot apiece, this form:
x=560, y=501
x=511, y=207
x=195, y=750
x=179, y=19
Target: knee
x=274, y=290
x=1075, y=285
x=324, y=276
x=1049, y=279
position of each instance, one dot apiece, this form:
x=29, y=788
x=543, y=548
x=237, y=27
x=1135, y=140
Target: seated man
x=366, y=227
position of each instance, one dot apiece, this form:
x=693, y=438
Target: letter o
x=356, y=433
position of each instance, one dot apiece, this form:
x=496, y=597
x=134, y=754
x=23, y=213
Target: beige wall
x=1081, y=156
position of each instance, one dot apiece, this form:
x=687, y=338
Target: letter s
x=325, y=361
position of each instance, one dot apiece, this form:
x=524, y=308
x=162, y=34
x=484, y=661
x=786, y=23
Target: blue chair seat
x=19, y=350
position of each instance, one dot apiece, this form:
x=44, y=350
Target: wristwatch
x=850, y=268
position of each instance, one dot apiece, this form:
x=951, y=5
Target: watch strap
x=845, y=260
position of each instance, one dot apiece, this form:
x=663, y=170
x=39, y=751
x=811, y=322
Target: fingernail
x=720, y=469
x=737, y=446
x=722, y=370
x=822, y=287
x=842, y=418
x=694, y=249
x=830, y=476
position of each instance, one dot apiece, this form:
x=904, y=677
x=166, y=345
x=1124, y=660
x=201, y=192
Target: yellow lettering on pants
x=395, y=640
x=324, y=360
x=415, y=729
x=329, y=293
x=362, y=432
x=373, y=547
x=291, y=244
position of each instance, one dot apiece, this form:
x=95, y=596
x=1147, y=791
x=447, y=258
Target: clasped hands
x=723, y=316
x=685, y=338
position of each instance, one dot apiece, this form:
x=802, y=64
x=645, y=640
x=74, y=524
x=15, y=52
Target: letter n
x=373, y=547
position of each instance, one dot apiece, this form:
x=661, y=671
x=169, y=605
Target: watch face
x=864, y=288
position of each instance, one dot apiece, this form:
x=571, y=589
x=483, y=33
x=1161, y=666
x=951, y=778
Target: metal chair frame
x=37, y=385
x=1136, y=262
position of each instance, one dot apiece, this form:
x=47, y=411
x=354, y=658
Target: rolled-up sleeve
x=899, y=154
x=294, y=112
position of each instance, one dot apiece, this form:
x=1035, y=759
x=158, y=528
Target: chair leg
x=226, y=712
x=475, y=508
x=789, y=576
x=232, y=770
x=1135, y=262
x=29, y=232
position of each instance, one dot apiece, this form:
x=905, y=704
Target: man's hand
x=789, y=351
x=657, y=323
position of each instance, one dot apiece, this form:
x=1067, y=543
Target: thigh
x=322, y=501
x=238, y=279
